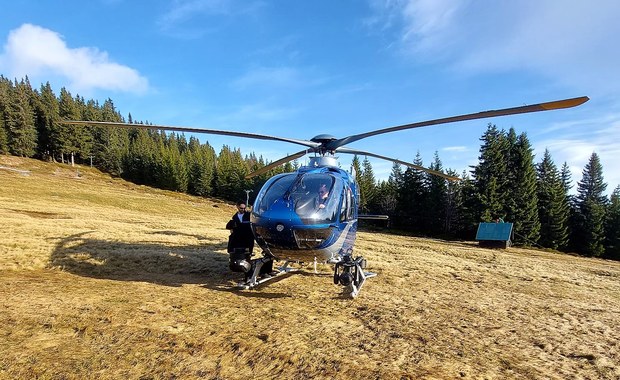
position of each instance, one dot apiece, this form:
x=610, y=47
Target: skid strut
x=350, y=273
x=254, y=277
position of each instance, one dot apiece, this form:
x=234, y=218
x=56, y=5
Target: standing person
x=241, y=235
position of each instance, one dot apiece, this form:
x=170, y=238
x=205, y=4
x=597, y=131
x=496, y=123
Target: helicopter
x=292, y=225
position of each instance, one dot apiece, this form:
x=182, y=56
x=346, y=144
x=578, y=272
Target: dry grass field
x=103, y=279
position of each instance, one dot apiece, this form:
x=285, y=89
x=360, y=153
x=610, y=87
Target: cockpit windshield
x=315, y=197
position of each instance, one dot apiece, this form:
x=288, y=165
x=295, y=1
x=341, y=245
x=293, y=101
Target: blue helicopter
x=311, y=215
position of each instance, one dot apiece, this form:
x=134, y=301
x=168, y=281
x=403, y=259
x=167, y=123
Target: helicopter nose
x=276, y=236
x=302, y=238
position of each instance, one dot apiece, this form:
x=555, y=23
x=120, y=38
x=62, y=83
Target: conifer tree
x=573, y=219
x=520, y=192
x=139, y=162
x=566, y=177
x=413, y=197
x=467, y=207
x=612, y=226
x=176, y=147
x=82, y=135
x=4, y=140
x=590, y=209
x=509, y=201
x=288, y=167
x=172, y=169
x=201, y=161
x=490, y=175
x=386, y=203
x=64, y=137
x=255, y=163
x=163, y=172
x=47, y=115
x=367, y=184
x=110, y=145
x=5, y=89
x=230, y=174
x=436, y=205
x=182, y=143
x=553, y=208
x=21, y=131
x=356, y=168
x=396, y=176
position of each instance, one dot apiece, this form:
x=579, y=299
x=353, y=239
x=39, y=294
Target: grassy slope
x=100, y=278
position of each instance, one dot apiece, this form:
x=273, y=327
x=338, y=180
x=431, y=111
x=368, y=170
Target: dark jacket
x=241, y=236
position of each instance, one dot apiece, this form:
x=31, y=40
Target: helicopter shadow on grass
x=204, y=264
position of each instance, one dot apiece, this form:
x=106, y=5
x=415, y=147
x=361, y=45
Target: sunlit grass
x=104, y=279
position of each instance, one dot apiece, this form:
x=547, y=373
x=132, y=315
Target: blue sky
x=300, y=68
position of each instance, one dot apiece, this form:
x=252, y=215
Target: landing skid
x=256, y=279
x=350, y=274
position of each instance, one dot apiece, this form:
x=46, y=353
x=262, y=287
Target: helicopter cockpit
x=314, y=197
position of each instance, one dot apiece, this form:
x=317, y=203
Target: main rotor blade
x=558, y=104
x=307, y=143
x=281, y=161
x=414, y=166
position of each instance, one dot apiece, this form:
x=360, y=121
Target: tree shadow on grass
x=170, y=265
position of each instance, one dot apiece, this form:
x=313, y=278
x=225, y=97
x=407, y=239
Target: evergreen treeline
x=506, y=183
x=30, y=127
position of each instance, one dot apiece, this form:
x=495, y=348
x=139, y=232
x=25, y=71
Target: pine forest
x=507, y=182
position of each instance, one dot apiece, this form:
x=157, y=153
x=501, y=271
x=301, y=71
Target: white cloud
x=569, y=42
x=276, y=77
x=183, y=10
x=269, y=76
x=568, y=45
x=576, y=147
x=427, y=20
x=455, y=149
x=178, y=21
x=186, y=18
x=253, y=114
x=38, y=52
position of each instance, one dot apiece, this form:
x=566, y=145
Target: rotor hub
x=323, y=161
x=323, y=138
